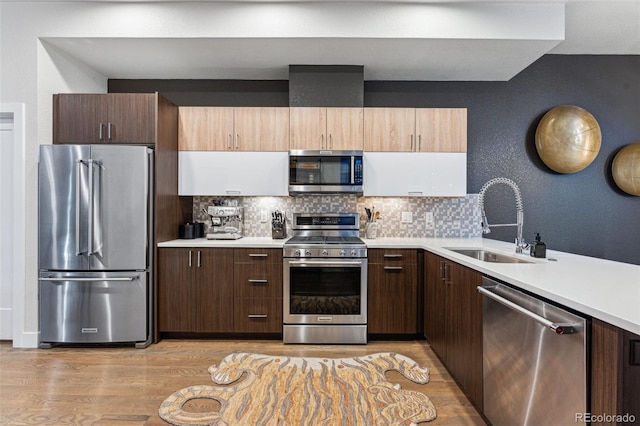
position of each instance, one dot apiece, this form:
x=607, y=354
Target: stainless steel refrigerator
x=95, y=254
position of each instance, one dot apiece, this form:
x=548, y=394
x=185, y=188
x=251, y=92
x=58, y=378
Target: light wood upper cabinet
x=261, y=129
x=234, y=129
x=415, y=129
x=345, y=127
x=205, y=129
x=326, y=128
x=307, y=128
x=281, y=128
x=441, y=129
x=389, y=129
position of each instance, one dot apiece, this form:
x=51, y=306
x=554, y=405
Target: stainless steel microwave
x=313, y=171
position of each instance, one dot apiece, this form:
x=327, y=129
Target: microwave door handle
x=353, y=167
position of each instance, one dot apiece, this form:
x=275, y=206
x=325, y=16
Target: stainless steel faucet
x=520, y=244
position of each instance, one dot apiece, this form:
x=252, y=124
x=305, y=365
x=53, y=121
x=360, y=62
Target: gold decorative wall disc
x=626, y=169
x=568, y=139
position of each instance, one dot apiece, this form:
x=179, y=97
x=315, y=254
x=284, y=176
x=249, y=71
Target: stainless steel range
x=325, y=280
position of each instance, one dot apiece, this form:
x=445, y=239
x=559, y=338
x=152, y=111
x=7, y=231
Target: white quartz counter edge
x=609, y=291
x=244, y=242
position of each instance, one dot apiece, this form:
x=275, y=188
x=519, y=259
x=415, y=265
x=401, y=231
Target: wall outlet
x=429, y=220
x=407, y=217
x=264, y=216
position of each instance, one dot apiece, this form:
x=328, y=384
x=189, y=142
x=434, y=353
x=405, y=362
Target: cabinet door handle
x=254, y=281
x=229, y=141
x=412, y=143
x=393, y=268
x=100, y=132
x=330, y=141
x=442, y=272
x=419, y=143
x=393, y=256
x=258, y=255
x=322, y=141
x=257, y=315
x=109, y=130
x=189, y=258
x=199, y=263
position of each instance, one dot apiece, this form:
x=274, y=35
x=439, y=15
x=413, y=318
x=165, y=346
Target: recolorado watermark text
x=605, y=418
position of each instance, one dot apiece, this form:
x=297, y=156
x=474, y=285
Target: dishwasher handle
x=558, y=328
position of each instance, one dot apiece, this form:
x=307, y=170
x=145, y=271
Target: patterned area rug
x=305, y=391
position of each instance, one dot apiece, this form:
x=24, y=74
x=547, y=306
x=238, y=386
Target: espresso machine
x=226, y=222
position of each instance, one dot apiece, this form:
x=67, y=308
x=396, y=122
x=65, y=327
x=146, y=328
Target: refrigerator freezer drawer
x=93, y=307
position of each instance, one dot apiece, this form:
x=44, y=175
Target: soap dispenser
x=538, y=248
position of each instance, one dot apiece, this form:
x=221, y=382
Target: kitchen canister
x=186, y=231
x=198, y=229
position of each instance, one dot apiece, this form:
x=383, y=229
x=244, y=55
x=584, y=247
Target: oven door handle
x=323, y=263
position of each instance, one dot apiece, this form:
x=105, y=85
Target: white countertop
x=603, y=289
x=244, y=242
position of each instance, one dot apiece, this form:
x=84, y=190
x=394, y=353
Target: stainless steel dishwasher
x=534, y=359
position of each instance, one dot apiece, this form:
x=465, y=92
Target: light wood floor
x=125, y=386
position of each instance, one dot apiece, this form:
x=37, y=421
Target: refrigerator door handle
x=79, y=164
x=87, y=279
x=90, y=209
x=93, y=202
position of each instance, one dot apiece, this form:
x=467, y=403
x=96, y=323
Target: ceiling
x=423, y=40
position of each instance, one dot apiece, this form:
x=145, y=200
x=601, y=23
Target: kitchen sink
x=488, y=256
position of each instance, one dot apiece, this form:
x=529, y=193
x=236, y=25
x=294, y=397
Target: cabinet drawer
x=262, y=255
x=258, y=316
x=392, y=256
x=258, y=280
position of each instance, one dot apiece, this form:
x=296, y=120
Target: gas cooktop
x=324, y=239
x=325, y=235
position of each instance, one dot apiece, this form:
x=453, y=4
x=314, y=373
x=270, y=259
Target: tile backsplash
x=453, y=217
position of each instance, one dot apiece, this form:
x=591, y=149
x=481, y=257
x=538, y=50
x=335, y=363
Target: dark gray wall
x=326, y=85
x=211, y=92
x=580, y=213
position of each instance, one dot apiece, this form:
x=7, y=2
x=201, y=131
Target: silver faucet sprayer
x=520, y=244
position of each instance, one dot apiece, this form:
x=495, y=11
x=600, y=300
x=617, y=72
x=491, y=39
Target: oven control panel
x=354, y=252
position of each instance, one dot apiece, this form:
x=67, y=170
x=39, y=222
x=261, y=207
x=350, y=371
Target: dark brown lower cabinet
x=392, y=287
x=258, y=290
x=615, y=374
x=195, y=290
x=453, y=321
x=219, y=290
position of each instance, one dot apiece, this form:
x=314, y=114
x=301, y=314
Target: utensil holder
x=371, y=230
x=279, y=230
